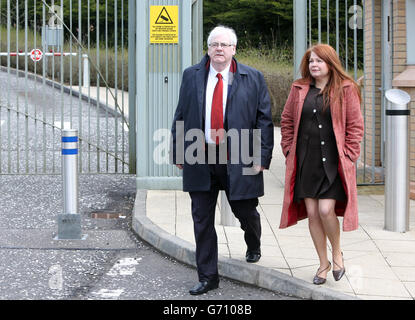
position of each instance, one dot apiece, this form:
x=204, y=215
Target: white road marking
x=109, y=294
x=124, y=267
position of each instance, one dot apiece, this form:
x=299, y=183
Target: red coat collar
x=304, y=83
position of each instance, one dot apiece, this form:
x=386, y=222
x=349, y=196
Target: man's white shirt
x=210, y=88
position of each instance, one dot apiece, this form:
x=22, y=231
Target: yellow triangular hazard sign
x=164, y=17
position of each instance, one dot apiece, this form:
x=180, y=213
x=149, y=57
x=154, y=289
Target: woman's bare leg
x=331, y=227
x=318, y=234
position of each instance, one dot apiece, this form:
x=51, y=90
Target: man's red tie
x=216, y=118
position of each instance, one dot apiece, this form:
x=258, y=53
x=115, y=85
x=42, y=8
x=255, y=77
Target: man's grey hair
x=223, y=30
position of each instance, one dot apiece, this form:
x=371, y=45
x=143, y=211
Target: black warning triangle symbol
x=164, y=17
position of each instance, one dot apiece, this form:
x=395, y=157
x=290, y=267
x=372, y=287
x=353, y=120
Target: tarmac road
x=111, y=263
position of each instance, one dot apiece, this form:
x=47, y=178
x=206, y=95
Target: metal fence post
x=300, y=34
x=397, y=161
x=132, y=74
x=69, y=222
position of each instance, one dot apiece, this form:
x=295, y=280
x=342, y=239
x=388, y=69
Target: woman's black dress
x=317, y=157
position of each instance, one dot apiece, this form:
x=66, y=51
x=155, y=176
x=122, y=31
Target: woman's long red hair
x=337, y=74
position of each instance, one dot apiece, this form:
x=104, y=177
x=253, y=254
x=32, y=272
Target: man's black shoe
x=204, y=286
x=252, y=256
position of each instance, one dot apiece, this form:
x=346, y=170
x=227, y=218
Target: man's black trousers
x=203, y=213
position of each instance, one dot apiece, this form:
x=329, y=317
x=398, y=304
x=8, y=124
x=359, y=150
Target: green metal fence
x=341, y=24
x=64, y=64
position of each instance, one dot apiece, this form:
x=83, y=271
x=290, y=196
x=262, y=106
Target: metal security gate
x=64, y=65
x=342, y=24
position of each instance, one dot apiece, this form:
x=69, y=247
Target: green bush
x=276, y=65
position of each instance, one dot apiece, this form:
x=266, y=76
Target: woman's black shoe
x=338, y=274
x=319, y=280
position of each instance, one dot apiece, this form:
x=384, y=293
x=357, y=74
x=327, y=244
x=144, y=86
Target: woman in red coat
x=321, y=130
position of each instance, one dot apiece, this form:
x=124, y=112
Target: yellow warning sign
x=164, y=24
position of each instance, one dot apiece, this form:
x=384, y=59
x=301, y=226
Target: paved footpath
x=379, y=264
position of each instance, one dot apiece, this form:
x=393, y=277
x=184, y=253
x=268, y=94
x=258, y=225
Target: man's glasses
x=222, y=44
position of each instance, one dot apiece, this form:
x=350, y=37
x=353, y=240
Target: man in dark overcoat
x=222, y=139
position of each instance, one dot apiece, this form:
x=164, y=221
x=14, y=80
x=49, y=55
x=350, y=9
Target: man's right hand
x=180, y=166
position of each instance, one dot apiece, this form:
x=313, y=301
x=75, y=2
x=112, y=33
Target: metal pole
x=346, y=19
x=355, y=39
x=328, y=21
x=80, y=113
x=132, y=85
x=142, y=85
x=310, y=40
x=69, y=222
x=300, y=34
x=319, y=21
x=197, y=31
x=373, y=91
x=397, y=161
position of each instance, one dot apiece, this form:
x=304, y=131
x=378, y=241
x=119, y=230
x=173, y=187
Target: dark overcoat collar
x=202, y=70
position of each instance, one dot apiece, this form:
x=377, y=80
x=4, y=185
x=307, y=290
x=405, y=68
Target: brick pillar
x=404, y=77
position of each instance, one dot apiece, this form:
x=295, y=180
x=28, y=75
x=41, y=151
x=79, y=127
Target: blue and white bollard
x=69, y=222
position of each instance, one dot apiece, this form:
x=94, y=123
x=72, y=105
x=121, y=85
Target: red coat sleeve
x=287, y=122
x=354, y=123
